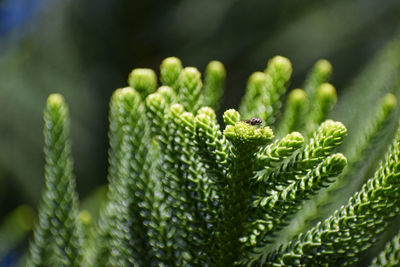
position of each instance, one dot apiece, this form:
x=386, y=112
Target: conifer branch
x=327, y=137
x=142, y=185
x=230, y=117
x=190, y=86
x=319, y=74
x=184, y=193
x=181, y=185
x=213, y=150
x=245, y=141
x=164, y=228
x=57, y=234
x=214, y=84
x=325, y=99
x=352, y=229
x=275, y=209
x=170, y=69
x=256, y=99
x=190, y=212
x=115, y=226
x=273, y=155
x=295, y=112
x=168, y=95
x=390, y=255
x=357, y=158
x=361, y=152
x=199, y=193
x=212, y=146
x=278, y=71
x=265, y=90
x=374, y=133
x=115, y=136
x=144, y=81
x=143, y=190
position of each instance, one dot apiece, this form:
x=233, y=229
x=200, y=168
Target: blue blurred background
x=85, y=49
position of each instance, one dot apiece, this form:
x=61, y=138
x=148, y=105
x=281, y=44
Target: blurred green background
x=85, y=49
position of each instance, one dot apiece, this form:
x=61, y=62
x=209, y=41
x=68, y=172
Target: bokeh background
x=85, y=49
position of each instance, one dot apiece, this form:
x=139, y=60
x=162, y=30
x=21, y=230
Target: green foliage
x=143, y=80
x=169, y=72
x=265, y=90
x=319, y=74
x=390, y=256
x=190, y=86
x=117, y=246
x=359, y=156
x=57, y=233
x=214, y=84
x=295, y=112
x=236, y=194
x=325, y=99
x=352, y=228
x=185, y=191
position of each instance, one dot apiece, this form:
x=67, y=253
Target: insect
x=254, y=121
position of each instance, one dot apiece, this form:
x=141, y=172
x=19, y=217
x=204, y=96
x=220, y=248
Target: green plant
x=183, y=192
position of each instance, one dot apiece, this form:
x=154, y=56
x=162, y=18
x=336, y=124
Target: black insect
x=254, y=121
